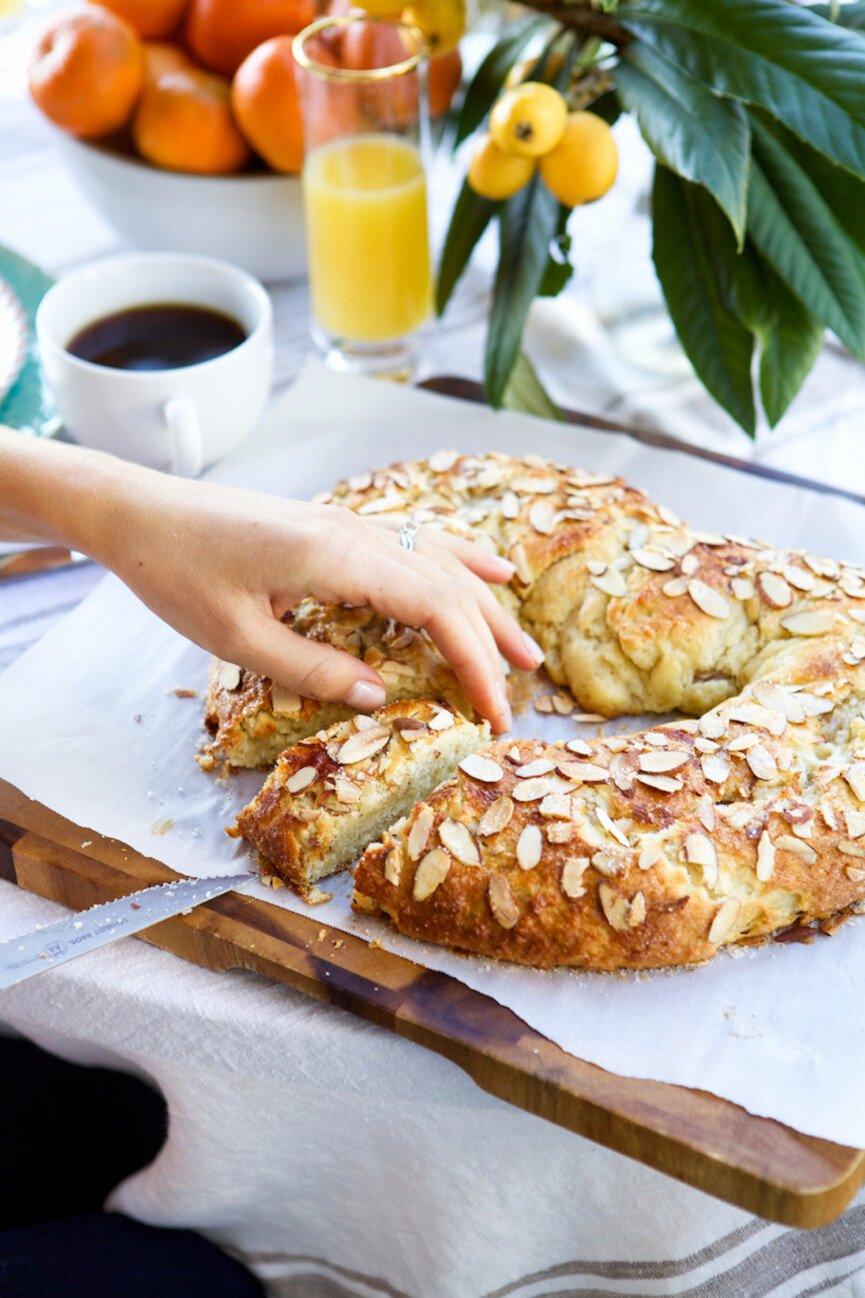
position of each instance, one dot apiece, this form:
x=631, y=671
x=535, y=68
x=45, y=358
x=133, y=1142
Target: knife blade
x=52, y=945
x=37, y=558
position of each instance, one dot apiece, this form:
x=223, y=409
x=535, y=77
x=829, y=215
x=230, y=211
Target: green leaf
x=790, y=337
x=846, y=15
x=528, y=225
x=843, y=192
x=559, y=268
x=525, y=392
x=796, y=232
x=607, y=106
x=469, y=219
x=808, y=73
x=490, y=76
x=689, y=129
x=692, y=244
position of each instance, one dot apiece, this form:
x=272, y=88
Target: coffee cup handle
x=183, y=424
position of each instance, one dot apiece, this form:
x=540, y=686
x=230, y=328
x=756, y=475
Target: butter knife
x=52, y=945
x=37, y=558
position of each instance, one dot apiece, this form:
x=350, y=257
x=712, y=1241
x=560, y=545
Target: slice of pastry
x=331, y=795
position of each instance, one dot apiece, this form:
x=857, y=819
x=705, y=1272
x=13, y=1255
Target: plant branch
x=580, y=18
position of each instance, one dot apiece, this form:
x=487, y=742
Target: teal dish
x=26, y=405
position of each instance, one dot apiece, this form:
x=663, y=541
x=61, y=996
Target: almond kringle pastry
x=327, y=797
x=651, y=850
x=635, y=611
x=252, y=720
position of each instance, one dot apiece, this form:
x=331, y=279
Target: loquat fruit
x=497, y=175
x=583, y=165
x=529, y=119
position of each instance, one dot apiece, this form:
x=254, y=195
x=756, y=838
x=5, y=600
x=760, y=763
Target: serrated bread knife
x=46, y=948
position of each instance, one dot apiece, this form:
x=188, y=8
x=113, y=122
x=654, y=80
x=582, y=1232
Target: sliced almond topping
x=505, y=909
x=798, y=577
x=563, y=703
x=520, y=560
x=706, y=812
x=689, y=565
x=529, y=847
x=765, y=857
x=650, y=855
x=579, y=746
x=596, y=567
x=228, y=676
x=282, y=701
x=657, y=762
x=774, y=590
x=653, y=559
x=588, y=718
x=742, y=743
x=301, y=779
x=393, y=866
x=481, y=768
x=716, y=767
x=510, y=505
x=534, y=789
x=559, y=832
x=809, y=623
x=556, y=806
x=614, y=906
x=850, y=848
x=611, y=583
x=540, y=766
x=459, y=842
x=855, y=821
x=725, y=917
x=637, y=910
x=787, y=843
x=678, y=586
x=623, y=769
x=777, y=699
x=667, y=516
x=306, y=815
x=611, y=861
x=441, y=461
x=347, y=792
x=700, y=850
x=420, y=831
x=762, y=763
x=442, y=720
x=363, y=744
x=586, y=772
x=497, y=815
x=713, y=725
x=431, y=870
x=743, y=589
x=708, y=600
x=606, y=822
x=855, y=777
x=544, y=704
x=664, y=783
x=541, y=516
x=572, y=876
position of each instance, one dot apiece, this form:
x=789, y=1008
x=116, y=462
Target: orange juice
x=369, y=265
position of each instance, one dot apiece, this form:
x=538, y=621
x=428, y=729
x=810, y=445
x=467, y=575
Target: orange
x=529, y=119
x=183, y=122
x=443, y=77
x=221, y=33
x=266, y=104
x=583, y=165
x=497, y=175
x=86, y=71
x=150, y=18
x=164, y=56
x=367, y=45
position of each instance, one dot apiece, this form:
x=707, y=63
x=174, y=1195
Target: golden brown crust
x=673, y=844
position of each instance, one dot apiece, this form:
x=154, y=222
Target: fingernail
x=365, y=696
x=505, y=567
x=534, y=648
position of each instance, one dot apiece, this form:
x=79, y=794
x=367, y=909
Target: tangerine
x=444, y=74
x=221, y=33
x=267, y=106
x=150, y=18
x=583, y=165
x=497, y=175
x=183, y=122
x=529, y=119
x=86, y=71
x=164, y=56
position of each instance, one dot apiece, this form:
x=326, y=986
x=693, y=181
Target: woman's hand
x=223, y=566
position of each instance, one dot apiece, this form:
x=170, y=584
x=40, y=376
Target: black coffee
x=163, y=336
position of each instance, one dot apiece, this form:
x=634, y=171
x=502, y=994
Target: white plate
x=13, y=338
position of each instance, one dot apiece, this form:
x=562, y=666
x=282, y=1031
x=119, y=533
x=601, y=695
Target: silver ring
x=407, y=533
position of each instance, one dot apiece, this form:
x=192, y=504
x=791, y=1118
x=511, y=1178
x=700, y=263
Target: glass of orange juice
x=364, y=118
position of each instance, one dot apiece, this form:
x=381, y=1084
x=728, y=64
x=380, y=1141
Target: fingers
x=489, y=567
x=311, y=669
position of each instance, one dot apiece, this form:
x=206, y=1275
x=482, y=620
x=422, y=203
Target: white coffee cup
x=181, y=419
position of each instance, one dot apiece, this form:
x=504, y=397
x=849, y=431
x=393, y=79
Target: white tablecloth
x=328, y=1153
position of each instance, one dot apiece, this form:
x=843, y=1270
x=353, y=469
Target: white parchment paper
x=91, y=727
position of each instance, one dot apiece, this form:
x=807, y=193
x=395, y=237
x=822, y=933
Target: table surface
x=42, y=216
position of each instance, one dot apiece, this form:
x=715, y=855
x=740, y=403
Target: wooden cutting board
x=709, y=1143
x=755, y=1163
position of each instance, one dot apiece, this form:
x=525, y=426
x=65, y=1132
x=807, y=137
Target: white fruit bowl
x=254, y=220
